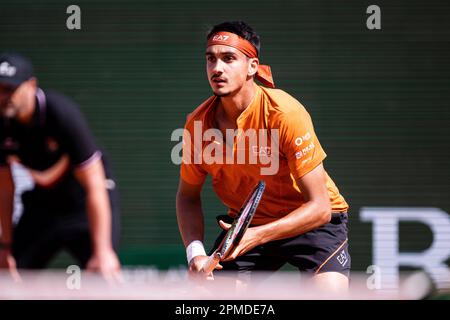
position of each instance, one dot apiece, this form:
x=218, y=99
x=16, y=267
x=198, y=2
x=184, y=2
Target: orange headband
x=230, y=39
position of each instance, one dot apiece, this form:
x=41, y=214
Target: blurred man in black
x=46, y=132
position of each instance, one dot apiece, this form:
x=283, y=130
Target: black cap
x=14, y=69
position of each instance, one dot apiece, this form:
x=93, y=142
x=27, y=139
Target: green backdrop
x=379, y=99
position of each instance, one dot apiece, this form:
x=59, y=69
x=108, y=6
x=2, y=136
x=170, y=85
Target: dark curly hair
x=239, y=28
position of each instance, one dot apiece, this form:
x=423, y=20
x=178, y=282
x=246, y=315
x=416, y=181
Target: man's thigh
x=35, y=241
x=322, y=250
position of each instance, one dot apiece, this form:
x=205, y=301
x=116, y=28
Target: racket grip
x=211, y=263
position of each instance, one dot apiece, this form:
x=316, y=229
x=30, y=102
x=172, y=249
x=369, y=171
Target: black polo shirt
x=57, y=128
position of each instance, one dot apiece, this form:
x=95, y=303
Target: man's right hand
x=196, y=268
x=7, y=261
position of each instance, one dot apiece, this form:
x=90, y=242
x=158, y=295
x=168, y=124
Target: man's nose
x=218, y=67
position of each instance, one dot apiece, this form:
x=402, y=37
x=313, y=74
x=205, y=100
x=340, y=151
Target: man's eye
x=211, y=59
x=228, y=58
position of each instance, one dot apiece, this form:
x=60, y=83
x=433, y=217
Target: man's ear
x=253, y=65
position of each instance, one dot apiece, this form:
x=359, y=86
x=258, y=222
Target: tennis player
x=73, y=205
x=302, y=218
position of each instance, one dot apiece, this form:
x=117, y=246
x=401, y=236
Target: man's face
x=6, y=92
x=228, y=69
x=13, y=100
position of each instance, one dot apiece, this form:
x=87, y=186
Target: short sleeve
x=191, y=170
x=299, y=143
x=72, y=130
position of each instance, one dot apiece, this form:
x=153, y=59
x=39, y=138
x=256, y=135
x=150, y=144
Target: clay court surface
x=151, y=284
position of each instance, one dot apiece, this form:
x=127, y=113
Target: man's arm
x=190, y=222
x=189, y=212
x=92, y=178
x=6, y=210
x=49, y=177
x=6, y=204
x=315, y=212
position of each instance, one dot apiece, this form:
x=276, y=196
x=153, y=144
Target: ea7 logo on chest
x=262, y=151
x=219, y=37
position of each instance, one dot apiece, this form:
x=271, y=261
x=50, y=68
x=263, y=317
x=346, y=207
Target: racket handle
x=211, y=263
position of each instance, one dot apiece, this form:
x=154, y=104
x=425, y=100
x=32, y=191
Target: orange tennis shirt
x=290, y=150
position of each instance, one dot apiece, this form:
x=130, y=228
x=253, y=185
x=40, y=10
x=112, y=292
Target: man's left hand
x=107, y=263
x=250, y=240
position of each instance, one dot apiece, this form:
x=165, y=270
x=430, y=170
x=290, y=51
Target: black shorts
x=40, y=235
x=324, y=249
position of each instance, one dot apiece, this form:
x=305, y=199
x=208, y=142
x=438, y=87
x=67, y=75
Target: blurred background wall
x=379, y=99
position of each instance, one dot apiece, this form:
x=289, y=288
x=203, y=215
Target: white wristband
x=195, y=248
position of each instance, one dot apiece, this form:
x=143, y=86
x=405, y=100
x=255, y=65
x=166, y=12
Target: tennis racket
x=238, y=228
